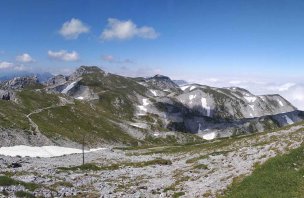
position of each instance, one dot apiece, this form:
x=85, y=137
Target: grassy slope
x=74, y=121
x=281, y=176
x=13, y=115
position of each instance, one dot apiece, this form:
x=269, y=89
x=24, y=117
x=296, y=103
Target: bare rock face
x=82, y=70
x=21, y=82
x=231, y=103
x=56, y=80
x=6, y=95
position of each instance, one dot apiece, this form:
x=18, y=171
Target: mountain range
x=105, y=108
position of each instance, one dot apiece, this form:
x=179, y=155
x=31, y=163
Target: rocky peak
x=162, y=83
x=56, y=80
x=82, y=70
x=21, y=82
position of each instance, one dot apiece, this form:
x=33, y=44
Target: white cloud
x=20, y=68
x=63, y=55
x=6, y=65
x=73, y=28
x=282, y=87
x=291, y=88
x=24, y=58
x=121, y=30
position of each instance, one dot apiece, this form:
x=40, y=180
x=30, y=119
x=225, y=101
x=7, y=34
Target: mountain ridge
x=121, y=110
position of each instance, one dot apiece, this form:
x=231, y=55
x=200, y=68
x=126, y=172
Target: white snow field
x=69, y=87
x=209, y=136
x=288, y=120
x=44, y=151
x=153, y=92
x=250, y=99
x=205, y=106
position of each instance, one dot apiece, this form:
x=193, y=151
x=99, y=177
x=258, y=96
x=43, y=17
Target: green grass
x=178, y=194
x=24, y=194
x=74, y=121
x=201, y=166
x=7, y=181
x=94, y=167
x=279, y=177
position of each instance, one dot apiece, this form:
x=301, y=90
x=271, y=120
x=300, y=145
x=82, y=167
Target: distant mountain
x=180, y=82
x=42, y=77
x=112, y=109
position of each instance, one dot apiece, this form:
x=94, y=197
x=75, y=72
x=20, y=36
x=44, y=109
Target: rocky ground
x=198, y=170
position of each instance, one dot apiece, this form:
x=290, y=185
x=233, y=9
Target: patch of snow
x=252, y=107
x=142, y=108
x=281, y=103
x=191, y=97
x=69, y=87
x=156, y=134
x=205, y=106
x=251, y=115
x=80, y=98
x=145, y=102
x=153, y=92
x=192, y=87
x=209, y=136
x=250, y=99
x=139, y=125
x=288, y=120
x=199, y=128
x=142, y=83
x=44, y=151
x=184, y=88
x=263, y=98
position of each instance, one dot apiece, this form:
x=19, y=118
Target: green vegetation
x=24, y=194
x=178, y=194
x=201, y=166
x=7, y=181
x=35, y=99
x=78, y=120
x=94, y=167
x=12, y=116
x=281, y=176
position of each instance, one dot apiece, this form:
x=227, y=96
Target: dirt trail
x=33, y=125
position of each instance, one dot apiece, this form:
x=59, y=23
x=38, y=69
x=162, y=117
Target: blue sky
x=216, y=42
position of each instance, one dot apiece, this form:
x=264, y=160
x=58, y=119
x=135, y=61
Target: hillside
x=108, y=109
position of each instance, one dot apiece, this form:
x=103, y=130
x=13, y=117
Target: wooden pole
x=83, y=150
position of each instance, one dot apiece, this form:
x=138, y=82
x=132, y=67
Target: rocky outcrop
x=83, y=70
x=231, y=103
x=56, y=80
x=163, y=83
x=21, y=82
